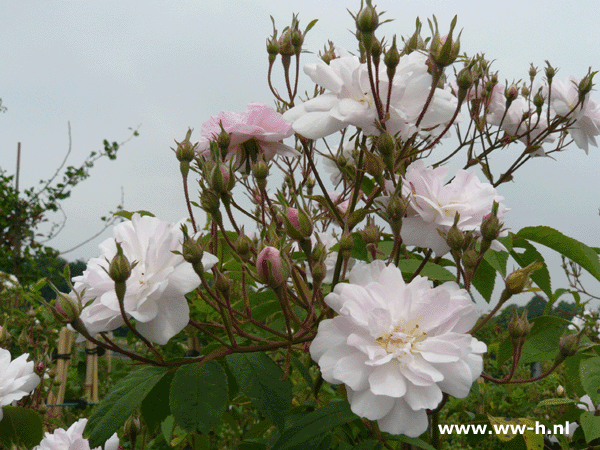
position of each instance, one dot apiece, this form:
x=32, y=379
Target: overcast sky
x=107, y=66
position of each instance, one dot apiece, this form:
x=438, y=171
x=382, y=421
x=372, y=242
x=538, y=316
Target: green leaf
x=121, y=402
x=198, y=396
x=155, y=407
x=540, y=277
x=497, y=260
x=128, y=214
x=431, y=271
x=590, y=378
x=371, y=444
x=304, y=372
x=20, y=426
x=542, y=341
x=167, y=427
x=315, y=423
x=484, y=280
x=555, y=402
x=572, y=374
x=310, y=25
x=261, y=380
x=571, y=248
x=590, y=425
x=419, y=443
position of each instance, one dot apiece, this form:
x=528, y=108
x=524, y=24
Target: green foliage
x=198, y=396
x=261, y=380
x=121, y=402
x=20, y=426
x=314, y=424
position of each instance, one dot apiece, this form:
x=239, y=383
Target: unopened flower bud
x=370, y=233
x=455, y=238
x=568, y=346
x=376, y=50
x=469, y=259
x=391, y=59
x=367, y=19
x=272, y=268
x=23, y=339
x=260, y=170
x=374, y=165
x=192, y=250
x=444, y=51
x=550, y=72
x=66, y=309
x=297, y=224
x=272, y=47
x=223, y=140
x=219, y=178
x=319, y=272
x=532, y=72
x=328, y=54
x=243, y=245
x=185, y=149
x=416, y=41
x=286, y=47
x=386, y=144
x=132, y=429
x=491, y=225
x=319, y=252
x=4, y=335
x=395, y=210
x=40, y=368
x=119, y=269
x=560, y=390
x=538, y=102
x=518, y=328
x=346, y=243
x=586, y=85
x=209, y=202
x=222, y=283
x=464, y=81
x=519, y=280
x=511, y=93
x=525, y=91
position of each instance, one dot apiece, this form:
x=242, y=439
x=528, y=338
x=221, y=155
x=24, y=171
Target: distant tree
x=23, y=252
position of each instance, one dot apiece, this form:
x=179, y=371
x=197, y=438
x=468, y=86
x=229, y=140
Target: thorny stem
x=189, y=204
x=503, y=298
x=418, y=271
x=523, y=380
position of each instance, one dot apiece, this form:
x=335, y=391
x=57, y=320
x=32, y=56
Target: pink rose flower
x=256, y=131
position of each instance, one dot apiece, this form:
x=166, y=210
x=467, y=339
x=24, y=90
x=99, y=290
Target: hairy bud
x=297, y=224
x=519, y=280
x=518, y=328
x=272, y=268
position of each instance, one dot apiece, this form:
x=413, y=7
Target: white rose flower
x=563, y=99
x=433, y=205
x=349, y=100
x=72, y=439
x=155, y=295
x=17, y=379
x=397, y=347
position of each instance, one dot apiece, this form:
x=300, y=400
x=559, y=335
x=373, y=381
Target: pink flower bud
x=297, y=224
x=66, y=309
x=272, y=269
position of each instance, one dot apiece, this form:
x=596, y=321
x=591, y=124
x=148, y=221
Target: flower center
x=368, y=98
x=402, y=339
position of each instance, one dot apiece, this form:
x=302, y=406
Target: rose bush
x=400, y=344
